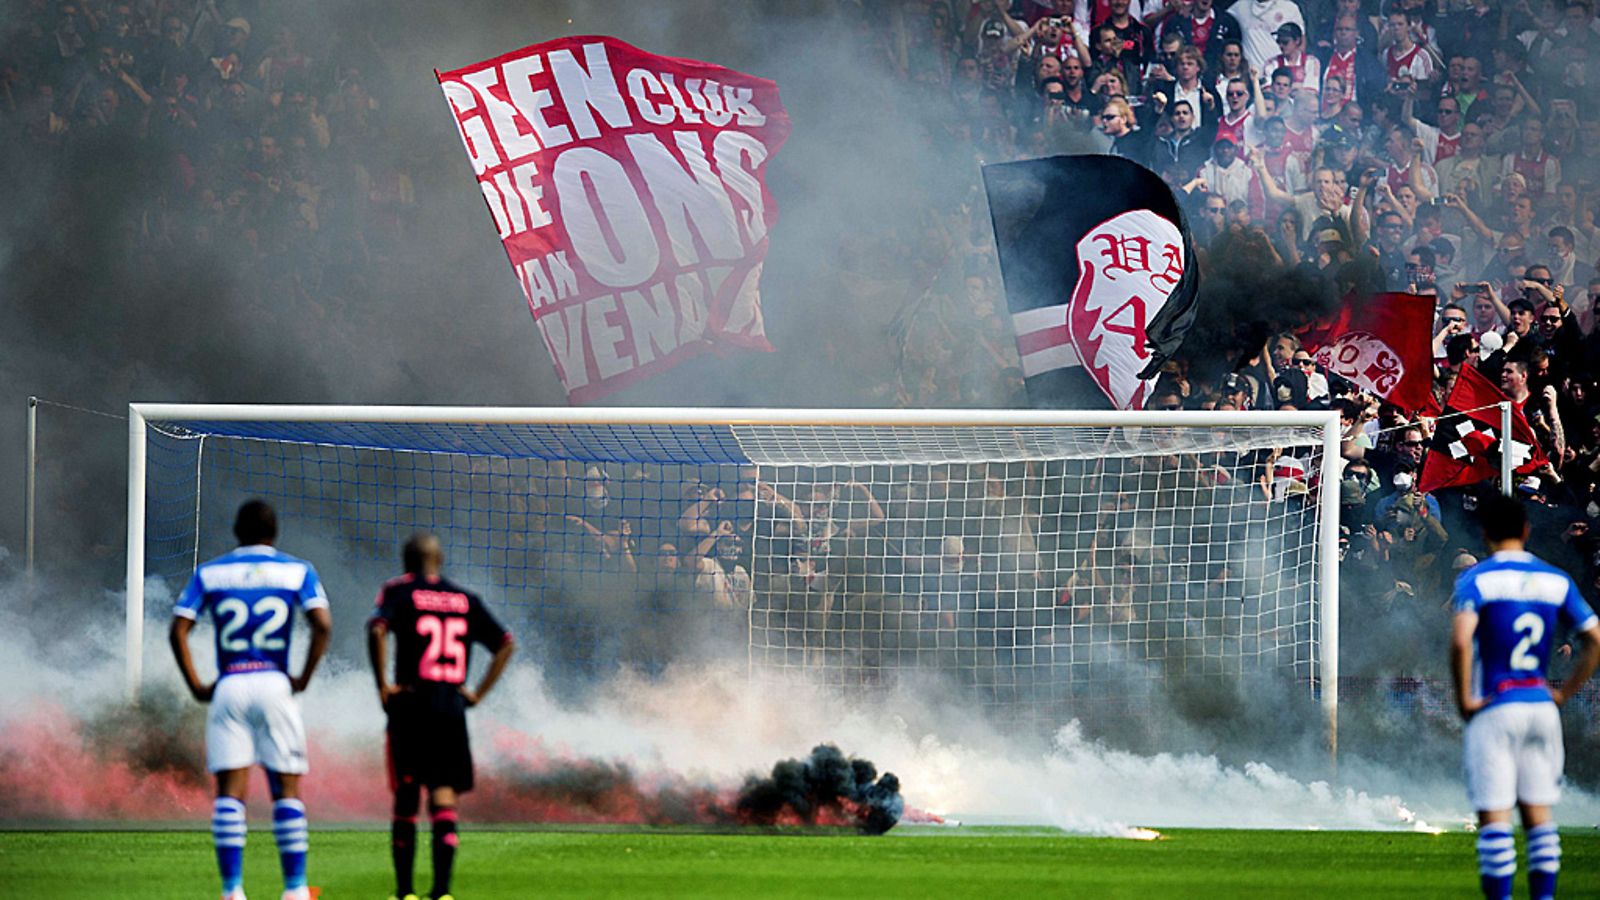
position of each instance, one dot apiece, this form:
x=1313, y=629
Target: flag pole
x=1506, y=444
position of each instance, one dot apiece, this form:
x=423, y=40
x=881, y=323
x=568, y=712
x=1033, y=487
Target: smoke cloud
x=138, y=289
x=121, y=287
x=681, y=748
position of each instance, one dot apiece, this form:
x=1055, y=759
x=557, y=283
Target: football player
x=1507, y=608
x=251, y=594
x=435, y=623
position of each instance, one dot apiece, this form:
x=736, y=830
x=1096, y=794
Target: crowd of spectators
x=200, y=134
x=1446, y=148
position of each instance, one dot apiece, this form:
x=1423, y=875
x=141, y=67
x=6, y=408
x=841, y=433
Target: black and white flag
x=1099, y=274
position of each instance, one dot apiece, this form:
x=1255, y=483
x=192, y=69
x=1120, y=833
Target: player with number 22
x=251, y=593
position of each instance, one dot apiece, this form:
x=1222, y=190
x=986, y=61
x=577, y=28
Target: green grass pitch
x=909, y=862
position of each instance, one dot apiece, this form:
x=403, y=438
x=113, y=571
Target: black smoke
x=823, y=788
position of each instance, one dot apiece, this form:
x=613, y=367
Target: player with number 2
x=251, y=594
x=435, y=624
x=1507, y=608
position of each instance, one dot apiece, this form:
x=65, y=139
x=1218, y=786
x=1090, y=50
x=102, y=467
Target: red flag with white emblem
x=1383, y=345
x=1466, y=441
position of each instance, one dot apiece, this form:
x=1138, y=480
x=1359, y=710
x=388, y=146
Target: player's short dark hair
x=415, y=552
x=1502, y=518
x=256, y=523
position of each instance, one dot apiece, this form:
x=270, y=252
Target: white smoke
x=714, y=726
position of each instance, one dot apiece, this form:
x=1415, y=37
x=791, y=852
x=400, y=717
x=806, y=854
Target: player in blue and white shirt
x=251, y=595
x=1507, y=609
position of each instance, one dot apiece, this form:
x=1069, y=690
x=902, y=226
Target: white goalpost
x=1033, y=557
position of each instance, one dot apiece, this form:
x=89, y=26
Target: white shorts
x=1514, y=755
x=255, y=718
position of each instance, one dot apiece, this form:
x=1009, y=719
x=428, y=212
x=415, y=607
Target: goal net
x=1036, y=559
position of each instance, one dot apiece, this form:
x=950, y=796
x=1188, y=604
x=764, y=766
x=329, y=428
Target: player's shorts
x=427, y=741
x=1514, y=754
x=255, y=718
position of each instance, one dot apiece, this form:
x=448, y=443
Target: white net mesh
x=1050, y=572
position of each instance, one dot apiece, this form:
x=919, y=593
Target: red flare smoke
x=147, y=764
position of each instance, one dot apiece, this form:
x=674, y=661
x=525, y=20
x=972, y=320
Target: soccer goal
x=1032, y=557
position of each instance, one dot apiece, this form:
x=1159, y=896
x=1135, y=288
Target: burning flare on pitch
x=825, y=788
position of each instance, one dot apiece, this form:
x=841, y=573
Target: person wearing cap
x=1445, y=272
x=1332, y=251
x=1238, y=390
x=1260, y=21
x=1305, y=70
x=1521, y=331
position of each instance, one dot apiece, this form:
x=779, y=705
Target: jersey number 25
x=446, y=657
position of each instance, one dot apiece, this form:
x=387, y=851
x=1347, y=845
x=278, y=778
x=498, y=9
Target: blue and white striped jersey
x=1519, y=599
x=252, y=594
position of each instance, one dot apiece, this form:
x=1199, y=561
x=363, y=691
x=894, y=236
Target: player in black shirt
x=435, y=623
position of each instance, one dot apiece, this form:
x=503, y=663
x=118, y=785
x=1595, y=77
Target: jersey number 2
x=446, y=657
x=1531, y=627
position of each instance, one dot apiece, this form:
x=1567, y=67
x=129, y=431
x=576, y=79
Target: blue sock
x=227, y=832
x=289, y=827
x=1544, y=860
x=1497, y=860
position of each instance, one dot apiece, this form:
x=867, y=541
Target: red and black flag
x=1466, y=440
x=1383, y=344
x=1099, y=276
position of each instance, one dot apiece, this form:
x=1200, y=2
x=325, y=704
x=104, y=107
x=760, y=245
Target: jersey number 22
x=238, y=615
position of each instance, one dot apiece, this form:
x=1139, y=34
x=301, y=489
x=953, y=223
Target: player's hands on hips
x=387, y=693
x=1470, y=706
x=299, y=682
x=469, y=695
x=203, y=692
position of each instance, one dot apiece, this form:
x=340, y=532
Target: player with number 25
x=252, y=593
x=435, y=624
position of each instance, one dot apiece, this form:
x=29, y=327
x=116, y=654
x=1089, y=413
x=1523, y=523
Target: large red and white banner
x=629, y=192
